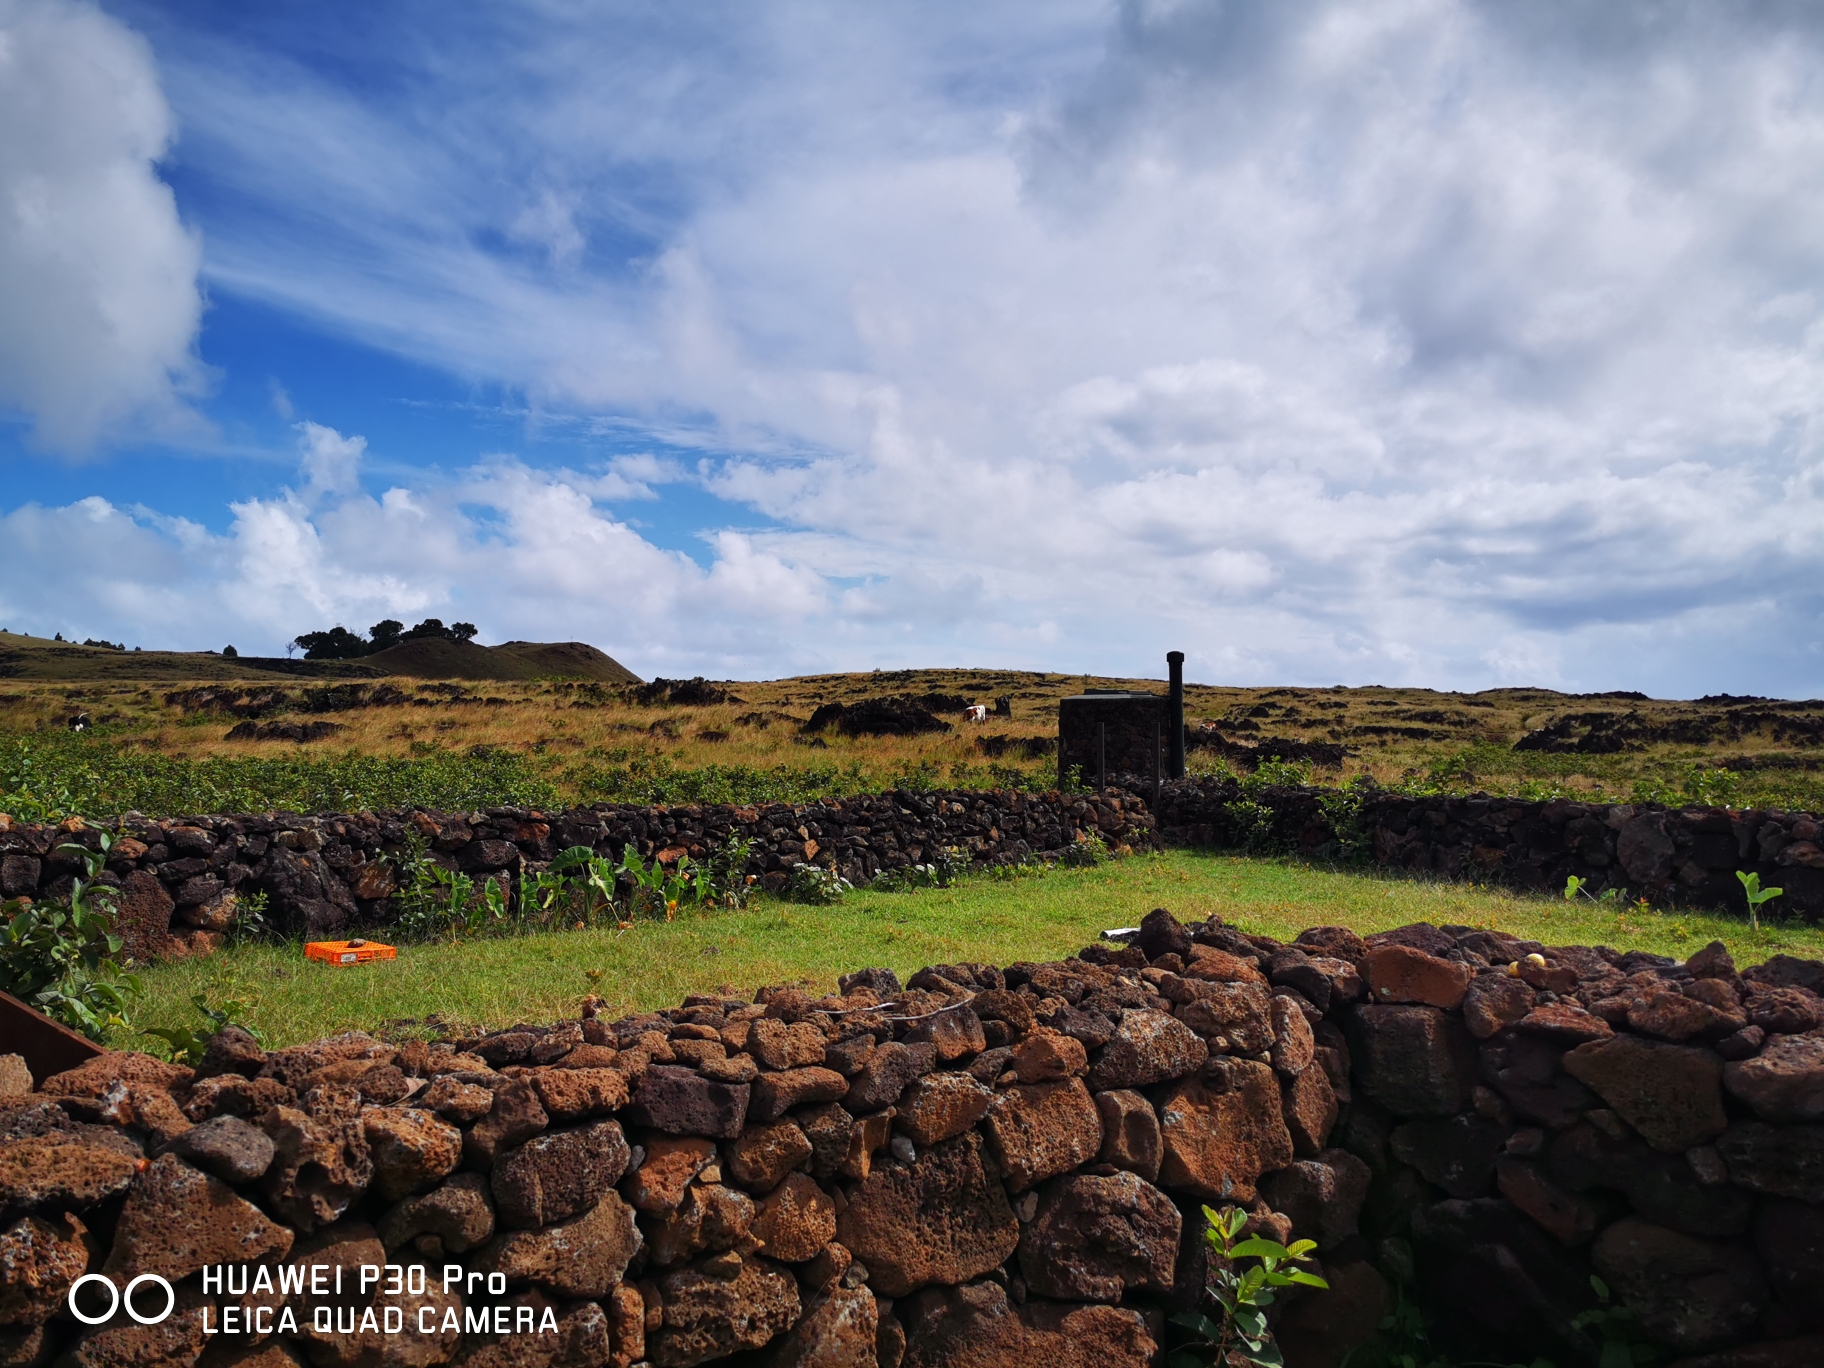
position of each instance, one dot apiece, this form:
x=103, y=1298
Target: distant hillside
x=436, y=658
x=34, y=658
x=29, y=657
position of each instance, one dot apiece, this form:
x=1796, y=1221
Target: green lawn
x=537, y=978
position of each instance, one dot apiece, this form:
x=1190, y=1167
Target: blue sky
x=1399, y=341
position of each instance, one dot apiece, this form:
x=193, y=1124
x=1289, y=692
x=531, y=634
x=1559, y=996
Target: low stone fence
x=981, y=1168
x=180, y=880
x=1671, y=856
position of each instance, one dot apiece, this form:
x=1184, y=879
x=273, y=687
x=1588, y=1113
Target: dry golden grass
x=1392, y=734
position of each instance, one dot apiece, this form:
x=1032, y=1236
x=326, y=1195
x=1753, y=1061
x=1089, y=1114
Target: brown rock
x=1401, y=974
x=48, y=1176
x=584, y=1257
x=941, y=1105
x=459, y=1214
x=680, y=1101
x=658, y=1183
x=1670, y=1015
x=1130, y=1133
x=1415, y=1061
x=231, y=1050
x=712, y=1311
x=1663, y=1188
x=954, y=1034
x=232, y=1095
x=1322, y=1197
x=457, y=1101
x=1564, y=1023
x=765, y=1154
x=888, y=1070
x=1310, y=1107
x=774, y=1094
x=1320, y=1331
x=1789, y=1238
x=1671, y=1094
x=1782, y=1161
x=178, y=1221
x=998, y=1004
x=839, y=1329
x=1239, y=1015
x=866, y=1137
x=319, y=1167
x=1222, y=1135
x=1294, y=1046
x=1784, y=1011
x=1457, y=1153
x=411, y=1149
x=557, y=1175
x=1494, y=1002
x=1572, y=1219
x=710, y=1218
x=15, y=1077
x=94, y=1077
x=974, y=1327
x=516, y=1116
x=795, y=1220
x=943, y=1219
x=39, y=1260
x=626, y=1310
x=569, y=1094
x=848, y=1056
x=776, y=1045
x=1526, y=1071
x=142, y=916
x=1689, y=1293
x=1148, y=1047
x=1785, y=1082
x=1046, y=1056
x=1039, y=1130
x=176, y=1342
x=1096, y=1239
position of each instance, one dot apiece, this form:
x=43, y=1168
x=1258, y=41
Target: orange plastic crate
x=349, y=951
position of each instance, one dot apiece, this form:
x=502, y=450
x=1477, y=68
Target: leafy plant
x=1619, y=1332
x=251, y=925
x=820, y=887
x=186, y=1044
x=656, y=890
x=941, y=871
x=59, y=956
x=1241, y=1295
x=1751, y=886
x=1573, y=886
x=1344, y=808
x=1086, y=852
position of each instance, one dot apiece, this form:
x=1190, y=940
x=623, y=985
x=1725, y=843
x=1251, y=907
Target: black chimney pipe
x=1174, y=661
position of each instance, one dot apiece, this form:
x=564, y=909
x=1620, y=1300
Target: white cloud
x=331, y=463
x=99, y=302
x=1412, y=340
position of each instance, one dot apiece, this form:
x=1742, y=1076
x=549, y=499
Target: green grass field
x=538, y=978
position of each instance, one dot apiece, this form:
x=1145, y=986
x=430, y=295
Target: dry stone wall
x=180, y=880
x=1672, y=856
x=983, y=1167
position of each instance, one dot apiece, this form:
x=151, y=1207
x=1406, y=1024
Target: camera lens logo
x=117, y=1298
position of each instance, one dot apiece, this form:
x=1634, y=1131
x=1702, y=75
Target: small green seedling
x=1751, y=885
x=1241, y=1295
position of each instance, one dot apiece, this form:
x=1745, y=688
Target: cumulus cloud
x=98, y=274
x=1439, y=341
x=524, y=554
x=331, y=463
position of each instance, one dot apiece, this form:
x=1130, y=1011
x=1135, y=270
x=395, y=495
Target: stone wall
x=1672, y=856
x=982, y=1168
x=180, y=880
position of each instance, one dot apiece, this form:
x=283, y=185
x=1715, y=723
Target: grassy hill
x=566, y=720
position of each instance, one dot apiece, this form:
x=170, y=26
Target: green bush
x=59, y=956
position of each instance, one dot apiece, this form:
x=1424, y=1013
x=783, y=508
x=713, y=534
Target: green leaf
x=1304, y=1279
x=1267, y=1249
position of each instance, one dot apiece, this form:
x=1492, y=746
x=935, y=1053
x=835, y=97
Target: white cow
x=978, y=712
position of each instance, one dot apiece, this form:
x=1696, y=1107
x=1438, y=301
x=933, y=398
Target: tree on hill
x=338, y=643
